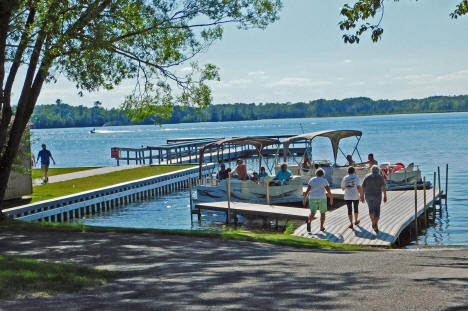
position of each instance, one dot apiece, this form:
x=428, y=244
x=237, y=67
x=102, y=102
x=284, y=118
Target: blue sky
x=302, y=57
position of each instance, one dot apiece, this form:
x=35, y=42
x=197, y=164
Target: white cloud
x=458, y=75
x=347, y=61
x=294, y=81
x=415, y=77
x=358, y=83
x=340, y=78
x=230, y=83
x=256, y=73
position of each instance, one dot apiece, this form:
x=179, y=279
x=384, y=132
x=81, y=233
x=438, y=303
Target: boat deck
x=396, y=215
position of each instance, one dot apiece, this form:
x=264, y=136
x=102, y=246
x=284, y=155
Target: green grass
x=37, y=172
x=54, y=190
x=20, y=277
x=244, y=235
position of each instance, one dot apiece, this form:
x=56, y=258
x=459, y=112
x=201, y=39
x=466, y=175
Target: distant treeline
x=64, y=115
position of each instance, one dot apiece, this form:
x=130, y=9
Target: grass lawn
x=54, y=190
x=238, y=234
x=20, y=277
x=37, y=172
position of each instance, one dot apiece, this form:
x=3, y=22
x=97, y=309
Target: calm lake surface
x=428, y=140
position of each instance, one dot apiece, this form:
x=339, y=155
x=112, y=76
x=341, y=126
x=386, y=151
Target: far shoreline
x=247, y=120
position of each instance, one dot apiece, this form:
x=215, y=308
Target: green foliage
x=98, y=44
x=21, y=277
x=290, y=229
x=46, y=116
x=462, y=9
x=356, y=17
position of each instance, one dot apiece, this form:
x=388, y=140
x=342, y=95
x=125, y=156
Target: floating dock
x=397, y=214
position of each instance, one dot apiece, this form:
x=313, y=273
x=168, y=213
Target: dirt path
x=158, y=272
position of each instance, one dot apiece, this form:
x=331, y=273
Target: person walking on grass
x=351, y=185
x=373, y=186
x=45, y=157
x=317, y=191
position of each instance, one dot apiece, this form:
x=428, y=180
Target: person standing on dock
x=373, y=186
x=45, y=157
x=351, y=185
x=317, y=192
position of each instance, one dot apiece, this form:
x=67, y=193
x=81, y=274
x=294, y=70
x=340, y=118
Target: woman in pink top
x=241, y=170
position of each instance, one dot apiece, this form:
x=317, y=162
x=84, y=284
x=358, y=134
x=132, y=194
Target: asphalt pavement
x=159, y=272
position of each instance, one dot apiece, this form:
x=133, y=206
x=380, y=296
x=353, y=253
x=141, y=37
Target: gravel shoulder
x=158, y=272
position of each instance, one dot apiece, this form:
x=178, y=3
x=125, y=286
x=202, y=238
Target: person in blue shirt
x=45, y=157
x=283, y=176
x=263, y=173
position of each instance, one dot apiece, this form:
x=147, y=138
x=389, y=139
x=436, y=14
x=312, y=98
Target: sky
x=302, y=57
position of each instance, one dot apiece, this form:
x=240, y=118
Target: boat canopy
x=334, y=135
x=258, y=142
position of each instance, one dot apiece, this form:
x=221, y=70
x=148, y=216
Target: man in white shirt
x=351, y=185
x=317, y=192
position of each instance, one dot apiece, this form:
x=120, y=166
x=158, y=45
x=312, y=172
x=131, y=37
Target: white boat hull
x=334, y=175
x=249, y=191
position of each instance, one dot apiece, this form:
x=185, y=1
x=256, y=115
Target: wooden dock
x=187, y=150
x=273, y=211
x=397, y=214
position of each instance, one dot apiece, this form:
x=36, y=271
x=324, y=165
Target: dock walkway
x=396, y=215
x=85, y=173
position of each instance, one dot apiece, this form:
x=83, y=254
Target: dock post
x=425, y=203
x=438, y=177
x=434, y=196
x=191, y=198
x=416, y=212
x=446, y=183
x=268, y=192
x=228, y=200
x=151, y=156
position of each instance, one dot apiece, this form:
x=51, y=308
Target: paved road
x=158, y=272
x=86, y=173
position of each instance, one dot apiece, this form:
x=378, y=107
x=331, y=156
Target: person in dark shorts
x=373, y=186
x=45, y=157
x=351, y=185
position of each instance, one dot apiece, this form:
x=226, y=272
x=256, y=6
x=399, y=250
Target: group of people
x=369, y=190
x=240, y=172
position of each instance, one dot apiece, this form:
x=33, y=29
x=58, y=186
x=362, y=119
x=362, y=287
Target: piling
x=425, y=202
x=446, y=183
x=434, y=197
x=267, y=192
x=191, y=198
x=228, y=199
x=416, y=212
x=438, y=177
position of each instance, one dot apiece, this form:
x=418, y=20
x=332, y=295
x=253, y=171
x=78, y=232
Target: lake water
x=428, y=140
